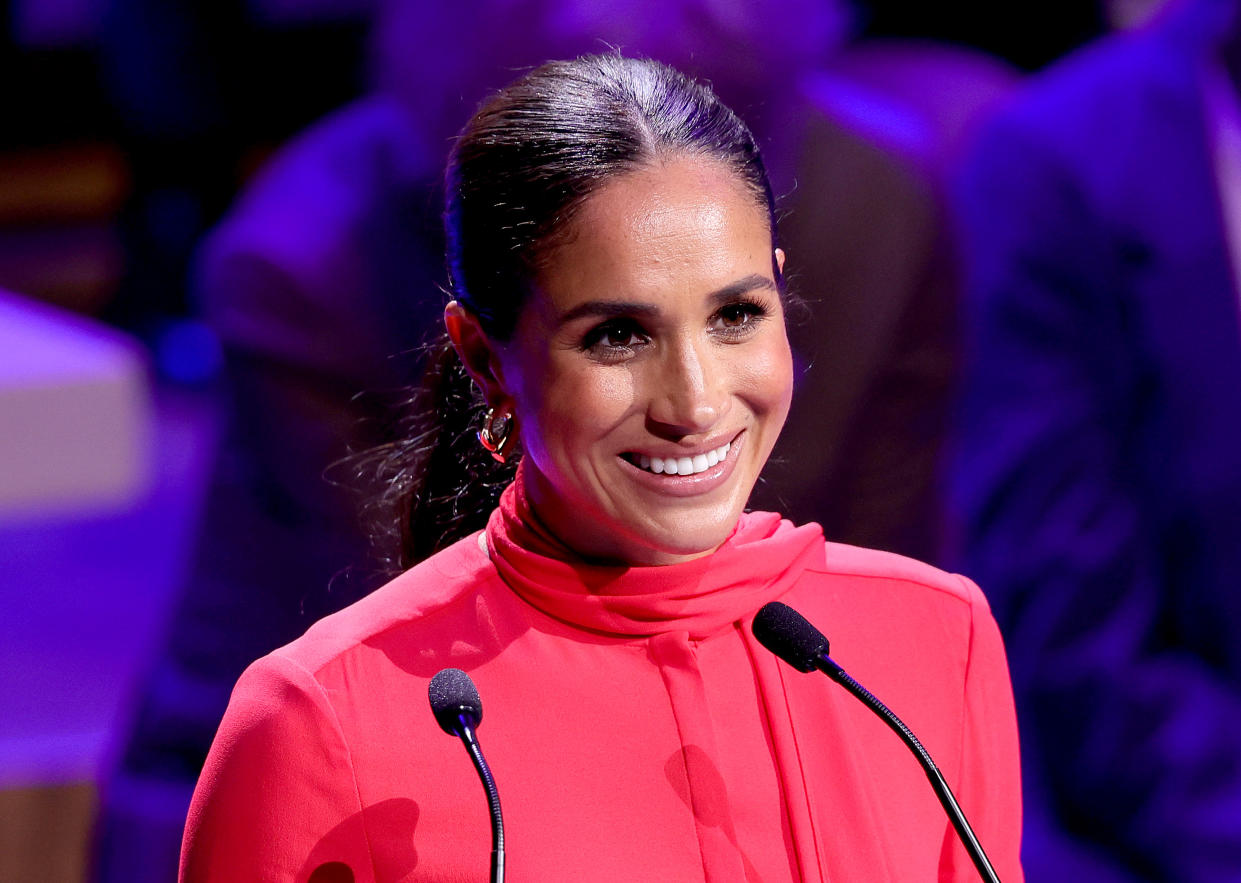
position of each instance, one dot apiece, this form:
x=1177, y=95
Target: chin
x=671, y=545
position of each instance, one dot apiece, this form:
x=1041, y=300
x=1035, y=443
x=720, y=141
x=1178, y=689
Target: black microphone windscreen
x=452, y=695
x=788, y=634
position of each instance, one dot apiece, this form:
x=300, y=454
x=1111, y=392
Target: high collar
x=759, y=562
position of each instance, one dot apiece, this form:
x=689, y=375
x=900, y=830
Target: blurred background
x=220, y=255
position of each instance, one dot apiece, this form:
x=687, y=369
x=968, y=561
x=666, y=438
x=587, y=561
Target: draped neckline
x=759, y=562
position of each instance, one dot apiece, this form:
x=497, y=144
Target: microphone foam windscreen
x=788, y=634
x=453, y=694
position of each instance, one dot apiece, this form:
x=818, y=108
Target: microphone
x=789, y=635
x=455, y=703
x=459, y=711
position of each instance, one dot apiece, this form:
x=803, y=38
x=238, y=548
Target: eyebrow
x=605, y=309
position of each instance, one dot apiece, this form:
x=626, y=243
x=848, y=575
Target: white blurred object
x=75, y=413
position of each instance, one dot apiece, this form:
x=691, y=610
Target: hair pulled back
x=522, y=166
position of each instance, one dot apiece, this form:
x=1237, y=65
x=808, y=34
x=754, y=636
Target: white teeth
x=684, y=465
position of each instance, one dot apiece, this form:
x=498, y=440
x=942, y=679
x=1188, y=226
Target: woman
x=619, y=304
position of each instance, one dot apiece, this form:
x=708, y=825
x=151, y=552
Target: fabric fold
x=722, y=859
x=758, y=563
x=826, y=829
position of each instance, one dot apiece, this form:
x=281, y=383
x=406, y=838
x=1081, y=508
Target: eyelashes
x=615, y=333
x=739, y=316
x=622, y=337
x=614, y=340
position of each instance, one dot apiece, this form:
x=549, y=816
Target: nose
x=689, y=395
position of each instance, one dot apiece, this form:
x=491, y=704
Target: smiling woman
x=619, y=310
x=649, y=373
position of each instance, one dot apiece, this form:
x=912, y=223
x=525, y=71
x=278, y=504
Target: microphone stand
x=466, y=732
x=824, y=663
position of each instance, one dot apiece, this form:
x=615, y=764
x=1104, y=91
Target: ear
x=780, y=260
x=476, y=350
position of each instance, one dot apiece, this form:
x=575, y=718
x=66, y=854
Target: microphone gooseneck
x=789, y=635
x=459, y=711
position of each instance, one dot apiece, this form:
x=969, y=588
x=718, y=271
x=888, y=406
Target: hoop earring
x=496, y=434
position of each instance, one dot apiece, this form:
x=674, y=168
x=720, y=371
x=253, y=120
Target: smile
x=681, y=465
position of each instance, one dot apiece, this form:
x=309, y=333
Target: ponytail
x=436, y=483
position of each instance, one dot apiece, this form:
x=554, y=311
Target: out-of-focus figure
x=869, y=254
x=319, y=279
x=1098, y=481
x=318, y=284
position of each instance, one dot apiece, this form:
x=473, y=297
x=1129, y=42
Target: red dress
x=636, y=729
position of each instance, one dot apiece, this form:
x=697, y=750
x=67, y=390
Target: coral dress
x=636, y=729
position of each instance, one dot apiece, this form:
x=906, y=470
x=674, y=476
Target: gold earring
x=496, y=433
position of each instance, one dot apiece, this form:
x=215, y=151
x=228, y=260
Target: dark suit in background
x=872, y=259
x=1098, y=480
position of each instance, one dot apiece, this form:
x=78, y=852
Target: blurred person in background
x=199, y=90
x=1098, y=481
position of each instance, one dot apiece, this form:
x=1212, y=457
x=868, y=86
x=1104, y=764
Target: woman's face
x=650, y=372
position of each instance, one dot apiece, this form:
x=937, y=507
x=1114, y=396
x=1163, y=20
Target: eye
x=620, y=336
x=614, y=340
x=739, y=318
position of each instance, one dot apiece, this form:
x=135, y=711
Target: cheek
x=576, y=405
x=768, y=378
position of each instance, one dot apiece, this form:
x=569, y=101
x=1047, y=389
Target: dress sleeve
x=989, y=782
x=277, y=798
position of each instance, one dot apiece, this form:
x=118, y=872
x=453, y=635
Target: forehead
x=684, y=220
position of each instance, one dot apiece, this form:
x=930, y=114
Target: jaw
x=677, y=522
x=622, y=513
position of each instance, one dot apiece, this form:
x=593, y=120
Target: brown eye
x=737, y=320
x=615, y=340
x=736, y=314
x=619, y=336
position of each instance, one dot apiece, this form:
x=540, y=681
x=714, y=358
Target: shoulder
x=897, y=571
x=1103, y=94
x=317, y=190
x=410, y=602
x=368, y=143
x=917, y=633
x=875, y=599
x=292, y=687
x=919, y=636
x=893, y=129
x=826, y=562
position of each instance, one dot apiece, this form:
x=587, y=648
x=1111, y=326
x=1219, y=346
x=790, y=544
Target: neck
x=562, y=532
